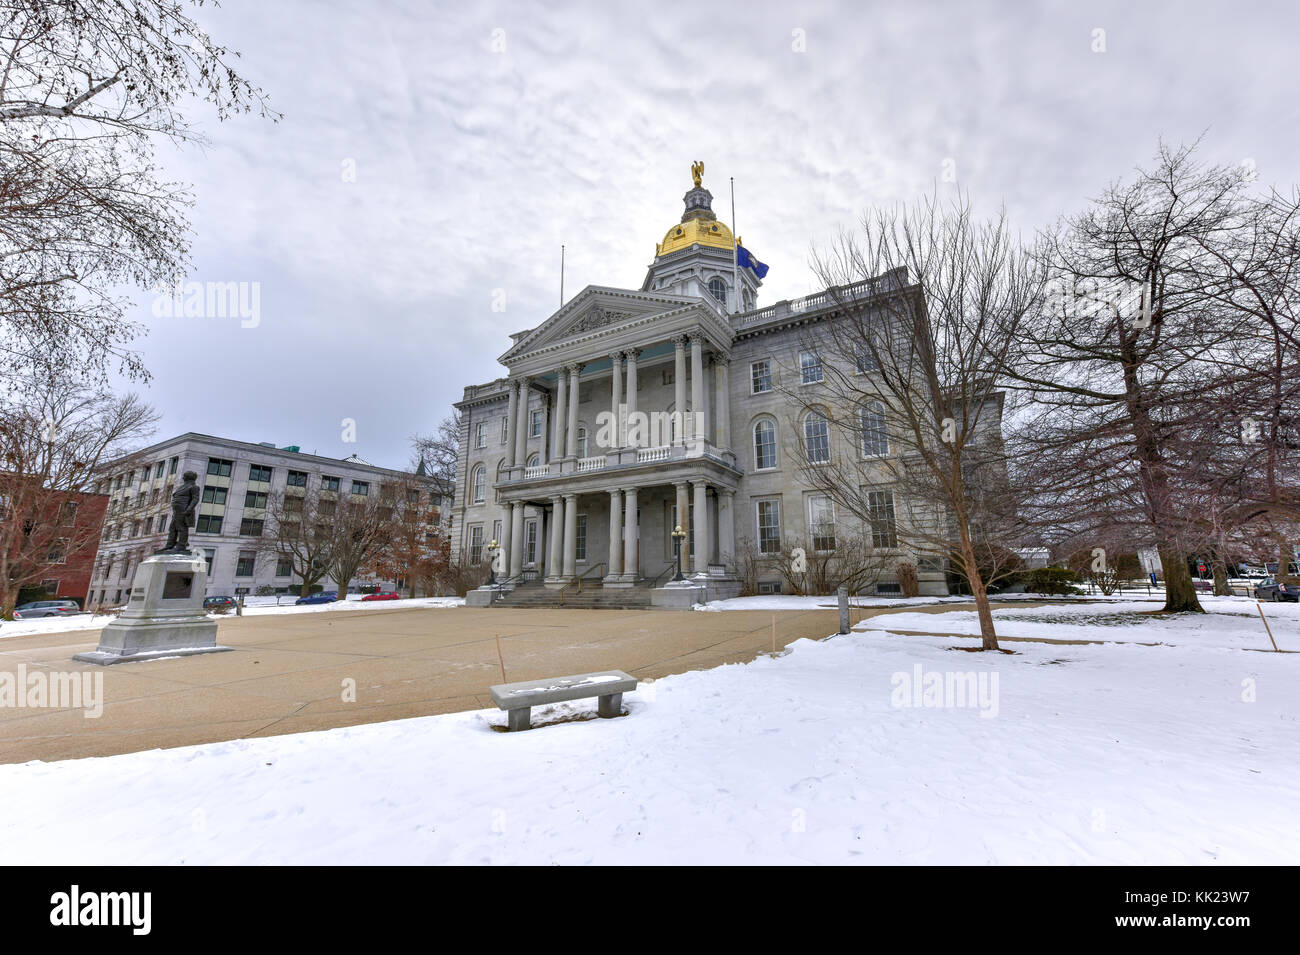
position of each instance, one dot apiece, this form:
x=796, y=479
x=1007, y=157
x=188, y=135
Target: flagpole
x=735, y=255
x=561, y=275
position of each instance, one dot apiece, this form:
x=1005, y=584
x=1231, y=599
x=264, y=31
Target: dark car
x=219, y=604
x=1203, y=586
x=46, y=608
x=327, y=597
x=1274, y=590
x=383, y=595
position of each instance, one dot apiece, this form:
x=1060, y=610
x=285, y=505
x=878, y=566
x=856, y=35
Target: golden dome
x=683, y=235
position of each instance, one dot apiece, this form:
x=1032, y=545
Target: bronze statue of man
x=185, y=501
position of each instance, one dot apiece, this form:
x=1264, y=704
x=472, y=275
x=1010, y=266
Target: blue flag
x=747, y=261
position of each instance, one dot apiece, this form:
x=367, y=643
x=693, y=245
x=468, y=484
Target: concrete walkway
x=288, y=671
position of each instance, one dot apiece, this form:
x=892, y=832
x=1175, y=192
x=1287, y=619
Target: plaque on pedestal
x=164, y=616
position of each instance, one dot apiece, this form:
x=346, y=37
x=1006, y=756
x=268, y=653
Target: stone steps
x=589, y=598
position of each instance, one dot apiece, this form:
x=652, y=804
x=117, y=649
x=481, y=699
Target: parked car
x=219, y=604
x=383, y=595
x=1203, y=586
x=46, y=608
x=1270, y=589
x=325, y=597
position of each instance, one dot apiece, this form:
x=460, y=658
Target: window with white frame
x=505, y=429
x=871, y=425
x=580, y=538
x=480, y=435
x=810, y=367
x=865, y=361
x=821, y=522
x=817, y=438
x=769, y=526
x=535, y=424
x=530, y=542
x=476, y=544
x=760, y=377
x=884, y=525
x=582, y=442
x=764, y=444
x=718, y=289
x=478, y=485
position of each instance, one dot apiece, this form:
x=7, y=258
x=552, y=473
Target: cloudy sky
x=433, y=156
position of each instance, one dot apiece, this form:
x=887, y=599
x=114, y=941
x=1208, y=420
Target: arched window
x=764, y=444
x=478, y=485
x=582, y=442
x=871, y=425
x=718, y=289
x=533, y=460
x=817, y=438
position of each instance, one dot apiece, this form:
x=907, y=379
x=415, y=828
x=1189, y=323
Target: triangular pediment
x=595, y=310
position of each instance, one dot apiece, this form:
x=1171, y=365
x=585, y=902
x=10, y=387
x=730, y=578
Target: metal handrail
x=578, y=580
x=671, y=568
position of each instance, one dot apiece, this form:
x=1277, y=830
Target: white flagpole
x=561, y=275
x=735, y=254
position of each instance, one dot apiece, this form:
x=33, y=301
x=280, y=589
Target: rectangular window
x=255, y=499
x=244, y=566
x=884, y=526
x=535, y=424
x=476, y=544
x=293, y=505
x=284, y=567
x=760, y=375
x=159, y=468
x=810, y=367
x=530, y=548
x=361, y=488
x=821, y=522
x=259, y=472
x=208, y=524
x=329, y=483
x=866, y=364
x=250, y=527
x=214, y=495
x=296, y=479
x=209, y=554
x=582, y=537
x=480, y=435
x=58, y=553
x=220, y=467
x=326, y=508
x=505, y=429
x=172, y=465
x=769, y=527
x=161, y=524
x=496, y=530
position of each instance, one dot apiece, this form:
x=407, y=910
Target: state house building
x=566, y=498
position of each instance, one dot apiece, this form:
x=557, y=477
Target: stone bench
x=518, y=699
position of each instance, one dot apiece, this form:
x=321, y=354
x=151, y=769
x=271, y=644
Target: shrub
x=1051, y=581
x=907, y=579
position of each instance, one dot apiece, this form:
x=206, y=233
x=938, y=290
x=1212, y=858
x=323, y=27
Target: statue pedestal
x=164, y=616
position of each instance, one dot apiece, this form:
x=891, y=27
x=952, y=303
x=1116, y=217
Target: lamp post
x=492, y=562
x=679, y=535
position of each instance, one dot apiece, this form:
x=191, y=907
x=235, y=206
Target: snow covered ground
x=1186, y=752
x=1228, y=622
x=254, y=606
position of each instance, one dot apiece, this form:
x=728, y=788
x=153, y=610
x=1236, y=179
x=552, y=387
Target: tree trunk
x=1284, y=559
x=8, y=600
x=1221, y=578
x=988, y=635
x=1180, y=595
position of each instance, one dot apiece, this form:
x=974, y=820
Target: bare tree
x=1135, y=352
x=300, y=529
x=55, y=433
x=931, y=302
x=437, y=452
x=362, y=528
x=417, y=549
x=85, y=90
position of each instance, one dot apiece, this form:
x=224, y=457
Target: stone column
x=708, y=423
x=571, y=534
x=516, y=538
x=679, y=382
x=697, y=385
x=629, y=535
x=571, y=440
x=726, y=527
x=630, y=400
x=616, y=395
x=545, y=454
x=561, y=411
x=722, y=410
x=522, y=425
x=701, y=528
x=684, y=519
x=512, y=421
x=615, y=534
x=553, y=564
x=543, y=567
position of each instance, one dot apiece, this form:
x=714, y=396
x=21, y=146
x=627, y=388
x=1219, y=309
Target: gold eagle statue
x=697, y=172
